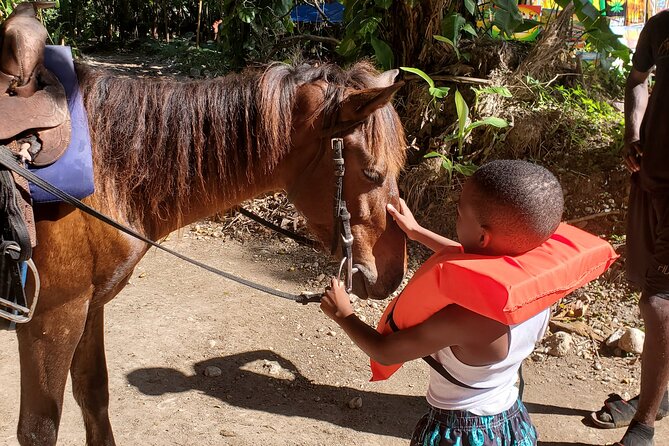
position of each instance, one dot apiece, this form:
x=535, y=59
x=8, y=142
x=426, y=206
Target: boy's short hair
x=522, y=199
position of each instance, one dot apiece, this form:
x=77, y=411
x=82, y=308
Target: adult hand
x=632, y=153
x=336, y=302
x=404, y=219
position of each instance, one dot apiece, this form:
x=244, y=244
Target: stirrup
x=18, y=313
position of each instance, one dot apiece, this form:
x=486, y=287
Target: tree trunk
x=165, y=21
x=199, y=20
x=410, y=27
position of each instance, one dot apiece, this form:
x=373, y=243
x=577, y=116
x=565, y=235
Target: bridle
x=342, y=218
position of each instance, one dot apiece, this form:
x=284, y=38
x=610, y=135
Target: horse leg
x=46, y=347
x=90, y=381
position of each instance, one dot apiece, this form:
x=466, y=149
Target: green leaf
x=502, y=91
x=467, y=169
x=420, y=73
x=447, y=164
x=470, y=5
x=246, y=15
x=527, y=25
x=507, y=16
x=369, y=26
x=432, y=155
x=451, y=26
x=450, y=42
x=462, y=110
x=468, y=28
x=347, y=47
x=439, y=92
x=385, y=4
x=383, y=52
x=283, y=7
x=491, y=121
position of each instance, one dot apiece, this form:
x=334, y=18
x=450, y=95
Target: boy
x=506, y=208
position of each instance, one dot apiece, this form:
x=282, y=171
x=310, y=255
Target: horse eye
x=374, y=176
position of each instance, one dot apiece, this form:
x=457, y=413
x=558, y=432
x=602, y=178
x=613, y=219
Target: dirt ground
x=174, y=320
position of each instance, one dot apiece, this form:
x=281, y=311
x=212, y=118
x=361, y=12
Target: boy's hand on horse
x=336, y=303
x=404, y=219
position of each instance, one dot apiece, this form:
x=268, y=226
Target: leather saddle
x=35, y=126
x=33, y=104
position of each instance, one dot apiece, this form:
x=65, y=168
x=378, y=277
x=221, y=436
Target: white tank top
x=496, y=383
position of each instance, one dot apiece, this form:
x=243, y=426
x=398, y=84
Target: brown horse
x=168, y=153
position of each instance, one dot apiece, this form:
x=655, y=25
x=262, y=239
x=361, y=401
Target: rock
x=195, y=72
x=331, y=333
x=355, y=403
x=320, y=277
x=212, y=343
x=612, y=341
x=226, y=433
x=598, y=366
x=273, y=367
x=559, y=344
x=632, y=341
x=212, y=371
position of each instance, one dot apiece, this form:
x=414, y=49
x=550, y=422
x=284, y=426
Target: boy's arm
x=451, y=326
x=406, y=221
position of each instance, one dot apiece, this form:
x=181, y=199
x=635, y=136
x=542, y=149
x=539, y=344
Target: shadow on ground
x=384, y=414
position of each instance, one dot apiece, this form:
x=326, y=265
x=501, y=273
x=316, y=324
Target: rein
x=342, y=229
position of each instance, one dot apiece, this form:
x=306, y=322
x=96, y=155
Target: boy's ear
x=484, y=238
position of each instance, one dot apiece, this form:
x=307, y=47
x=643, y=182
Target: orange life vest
x=507, y=289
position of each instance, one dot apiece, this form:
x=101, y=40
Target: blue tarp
x=307, y=13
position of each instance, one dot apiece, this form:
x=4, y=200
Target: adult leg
x=655, y=357
x=654, y=305
x=90, y=381
x=46, y=348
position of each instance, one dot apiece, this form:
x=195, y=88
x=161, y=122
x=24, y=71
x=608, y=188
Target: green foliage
x=186, y=57
x=466, y=168
x=597, y=29
x=6, y=7
x=363, y=19
x=465, y=127
x=584, y=118
x=252, y=28
x=435, y=92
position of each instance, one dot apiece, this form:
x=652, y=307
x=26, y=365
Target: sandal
x=617, y=412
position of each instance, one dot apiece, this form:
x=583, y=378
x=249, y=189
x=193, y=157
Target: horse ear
x=359, y=104
x=387, y=78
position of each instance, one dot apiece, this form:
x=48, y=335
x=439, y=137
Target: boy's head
x=508, y=207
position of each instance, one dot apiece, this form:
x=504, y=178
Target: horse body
x=167, y=154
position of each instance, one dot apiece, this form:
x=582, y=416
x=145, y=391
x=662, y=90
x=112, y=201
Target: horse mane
x=161, y=141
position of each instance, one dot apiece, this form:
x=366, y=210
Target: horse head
x=353, y=105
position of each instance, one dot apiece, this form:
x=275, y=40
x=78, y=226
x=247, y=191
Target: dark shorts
x=461, y=428
x=647, y=263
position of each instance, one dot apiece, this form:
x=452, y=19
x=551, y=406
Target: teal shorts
x=461, y=428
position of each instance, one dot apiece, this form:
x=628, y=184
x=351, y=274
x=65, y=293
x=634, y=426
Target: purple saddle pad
x=72, y=172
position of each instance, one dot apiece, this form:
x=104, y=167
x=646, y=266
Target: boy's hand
x=336, y=302
x=404, y=219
